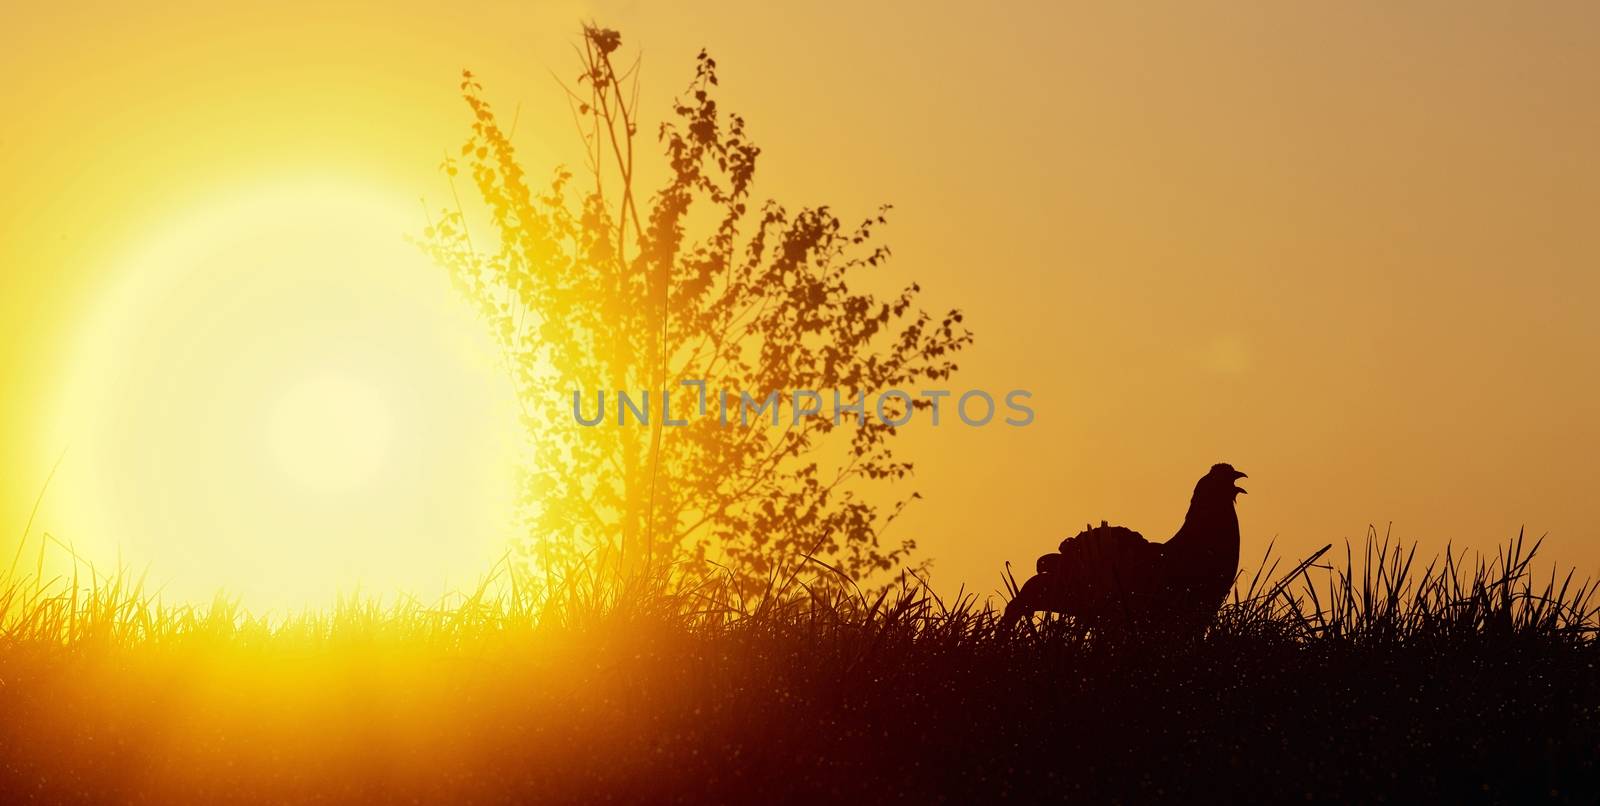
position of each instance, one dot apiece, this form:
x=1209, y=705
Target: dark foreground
x=781, y=715
x=1481, y=696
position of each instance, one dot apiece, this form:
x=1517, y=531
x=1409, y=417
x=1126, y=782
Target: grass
x=1373, y=677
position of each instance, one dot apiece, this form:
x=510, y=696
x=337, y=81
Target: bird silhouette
x=1110, y=578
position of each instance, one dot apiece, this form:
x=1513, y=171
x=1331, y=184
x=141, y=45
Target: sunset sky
x=1350, y=248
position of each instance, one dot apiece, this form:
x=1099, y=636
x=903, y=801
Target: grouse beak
x=1236, y=487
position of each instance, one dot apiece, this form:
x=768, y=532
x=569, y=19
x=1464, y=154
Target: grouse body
x=1111, y=577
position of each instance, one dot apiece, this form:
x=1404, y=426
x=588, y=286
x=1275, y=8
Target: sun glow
x=283, y=399
x=330, y=433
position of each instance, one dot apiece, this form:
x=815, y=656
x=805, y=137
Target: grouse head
x=1218, y=485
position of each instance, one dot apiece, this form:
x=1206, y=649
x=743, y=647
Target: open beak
x=1236, y=487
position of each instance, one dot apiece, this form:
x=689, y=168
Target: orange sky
x=1350, y=249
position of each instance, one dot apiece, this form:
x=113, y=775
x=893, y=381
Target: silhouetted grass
x=1372, y=676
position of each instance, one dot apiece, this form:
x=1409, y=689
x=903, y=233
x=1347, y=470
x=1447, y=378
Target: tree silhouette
x=590, y=292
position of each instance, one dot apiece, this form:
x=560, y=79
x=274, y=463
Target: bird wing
x=1109, y=569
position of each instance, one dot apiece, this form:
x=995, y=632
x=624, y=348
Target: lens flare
x=283, y=399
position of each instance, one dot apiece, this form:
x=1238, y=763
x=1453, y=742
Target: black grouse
x=1111, y=578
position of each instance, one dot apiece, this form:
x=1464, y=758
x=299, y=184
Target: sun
x=279, y=397
x=330, y=433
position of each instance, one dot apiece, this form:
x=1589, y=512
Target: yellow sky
x=1349, y=248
